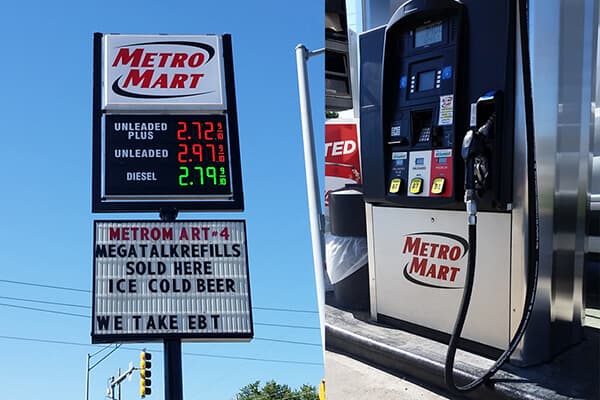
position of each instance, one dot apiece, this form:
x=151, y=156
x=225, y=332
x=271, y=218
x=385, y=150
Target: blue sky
x=45, y=176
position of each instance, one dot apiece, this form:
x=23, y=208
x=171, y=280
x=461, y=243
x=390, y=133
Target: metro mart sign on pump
x=163, y=72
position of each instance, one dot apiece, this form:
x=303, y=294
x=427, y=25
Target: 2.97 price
x=202, y=175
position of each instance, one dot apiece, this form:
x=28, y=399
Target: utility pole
x=89, y=368
x=87, y=377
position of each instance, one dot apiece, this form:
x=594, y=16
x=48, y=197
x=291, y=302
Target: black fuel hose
x=533, y=237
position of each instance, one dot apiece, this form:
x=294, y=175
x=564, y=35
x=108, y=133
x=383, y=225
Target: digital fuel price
x=166, y=157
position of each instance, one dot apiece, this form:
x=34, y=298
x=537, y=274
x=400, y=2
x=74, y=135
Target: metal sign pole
x=173, y=375
x=172, y=347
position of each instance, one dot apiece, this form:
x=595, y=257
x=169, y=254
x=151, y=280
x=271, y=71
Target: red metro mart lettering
x=150, y=78
x=433, y=263
x=442, y=272
x=433, y=250
x=138, y=57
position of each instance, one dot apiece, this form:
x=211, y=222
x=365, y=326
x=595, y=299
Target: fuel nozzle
x=472, y=146
x=474, y=153
x=486, y=129
x=476, y=165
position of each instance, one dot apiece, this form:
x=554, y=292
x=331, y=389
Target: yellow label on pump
x=395, y=185
x=438, y=185
x=416, y=186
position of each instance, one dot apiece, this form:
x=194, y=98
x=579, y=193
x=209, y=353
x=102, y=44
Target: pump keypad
x=425, y=135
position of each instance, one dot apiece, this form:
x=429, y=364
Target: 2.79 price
x=202, y=175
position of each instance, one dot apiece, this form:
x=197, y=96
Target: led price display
x=166, y=156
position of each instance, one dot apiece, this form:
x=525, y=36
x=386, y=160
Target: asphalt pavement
x=573, y=374
x=349, y=379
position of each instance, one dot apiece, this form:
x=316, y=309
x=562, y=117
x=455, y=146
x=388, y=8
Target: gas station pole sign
x=165, y=139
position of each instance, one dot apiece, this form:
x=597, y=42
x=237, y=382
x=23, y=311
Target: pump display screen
x=428, y=34
x=166, y=156
x=426, y=80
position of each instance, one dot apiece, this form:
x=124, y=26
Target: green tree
x=274, y=391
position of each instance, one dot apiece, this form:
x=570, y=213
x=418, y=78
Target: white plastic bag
x=344, y=255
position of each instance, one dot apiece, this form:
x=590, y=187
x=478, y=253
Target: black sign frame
x=133, y=203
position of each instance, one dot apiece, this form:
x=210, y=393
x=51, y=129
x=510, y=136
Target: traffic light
x=145, y=373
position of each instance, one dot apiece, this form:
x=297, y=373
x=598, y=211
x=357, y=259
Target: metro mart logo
x=163, y=69
x=434, y=259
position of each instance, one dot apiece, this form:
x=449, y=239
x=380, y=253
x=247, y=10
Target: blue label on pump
x=447, y=72
x=403, y=82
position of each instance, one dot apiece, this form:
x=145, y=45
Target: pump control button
x=416, y=186
x=438, y=186
x=395, y=185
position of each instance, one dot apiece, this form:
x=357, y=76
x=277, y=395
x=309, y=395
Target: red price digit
x=197, y=151
x=198, y=126
x=182, y=130
x=210, y=129
x=182, y=154
x=212, y=152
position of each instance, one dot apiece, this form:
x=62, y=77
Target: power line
x=87, y=316
x=256, y=323
x=45, y=302
x=45, y=286
x=100, y=351
x=288, y=326
x=20, y=338
x=89, y=291
x=105, y=357
x=287, y=341
x=44, y=310
x=286, y=310
x=250, y=358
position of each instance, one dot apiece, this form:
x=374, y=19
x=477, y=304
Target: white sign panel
x=182, y=279
x=163, y=72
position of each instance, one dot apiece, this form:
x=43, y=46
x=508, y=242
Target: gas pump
x=437, y=136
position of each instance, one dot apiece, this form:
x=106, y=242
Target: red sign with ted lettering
x=342, y=157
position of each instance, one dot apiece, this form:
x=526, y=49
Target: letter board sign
x=165, y=124
x=185, y=279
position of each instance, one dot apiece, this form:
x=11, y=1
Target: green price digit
x=183, y=176
x=211, y=172
x=200, y=174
